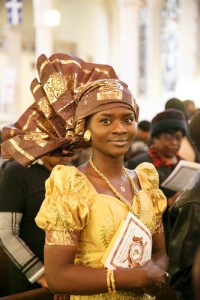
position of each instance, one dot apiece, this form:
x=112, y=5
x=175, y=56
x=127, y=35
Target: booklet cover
x=131, y=245
x=183, y=176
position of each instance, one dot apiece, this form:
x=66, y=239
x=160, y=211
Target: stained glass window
x=170, y=43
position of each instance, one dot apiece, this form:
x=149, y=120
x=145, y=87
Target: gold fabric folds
x=47, y=126
x=68, y=90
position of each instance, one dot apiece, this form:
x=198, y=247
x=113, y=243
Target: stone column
x=128, y=42
x=11, y=83
x=154, y=76
x=43, y=33
x=188, y=84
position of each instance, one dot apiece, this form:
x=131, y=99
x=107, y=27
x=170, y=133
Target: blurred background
x=153, y=45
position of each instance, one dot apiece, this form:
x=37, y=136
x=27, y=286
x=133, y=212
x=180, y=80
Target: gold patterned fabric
x=68, y=91
x=73, y=204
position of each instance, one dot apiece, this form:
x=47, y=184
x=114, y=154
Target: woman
x=86, y=105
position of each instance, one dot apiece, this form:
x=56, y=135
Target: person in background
x=88, y=106
x=141, y=142
x=22, y=191
x=185, y=230
x=176, y=104
x=167, y=131
x=190, y=108
x=187, y=149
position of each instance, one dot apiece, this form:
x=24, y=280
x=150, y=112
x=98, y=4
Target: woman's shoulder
x=67, y=200
x=66, y=172
x=146, y=169
x=69, y=178
x=147, y=175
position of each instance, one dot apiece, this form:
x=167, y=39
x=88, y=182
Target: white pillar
x=12, y=78
x=128, y=43
x=43, y=33
x=154, y=76
x=188, y=84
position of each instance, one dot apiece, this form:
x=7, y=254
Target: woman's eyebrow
x=110, y=114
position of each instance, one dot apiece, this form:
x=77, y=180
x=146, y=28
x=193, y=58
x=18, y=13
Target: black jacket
x=184, y=217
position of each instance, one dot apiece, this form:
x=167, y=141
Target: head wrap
x=69, y=90
x=169, y=119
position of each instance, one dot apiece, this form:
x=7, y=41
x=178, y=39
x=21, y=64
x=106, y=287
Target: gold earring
x=87, y=136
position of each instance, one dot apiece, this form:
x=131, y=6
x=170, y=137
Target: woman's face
x=112, y=131
x=167, y=144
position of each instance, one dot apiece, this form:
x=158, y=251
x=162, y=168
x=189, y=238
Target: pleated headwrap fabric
x=69, y=90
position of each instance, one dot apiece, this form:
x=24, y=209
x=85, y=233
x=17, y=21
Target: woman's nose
x=119, y=127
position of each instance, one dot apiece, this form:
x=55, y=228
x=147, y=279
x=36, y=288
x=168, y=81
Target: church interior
x=153, y=45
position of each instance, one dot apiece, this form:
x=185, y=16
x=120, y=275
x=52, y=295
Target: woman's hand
x=155, y=278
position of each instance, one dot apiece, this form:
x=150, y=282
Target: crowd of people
x=60, y=212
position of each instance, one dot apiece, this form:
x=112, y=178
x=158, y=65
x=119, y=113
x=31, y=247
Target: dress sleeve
x=149, y=181
x=66, y=201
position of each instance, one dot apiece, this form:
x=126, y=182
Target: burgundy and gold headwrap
x=69, y=90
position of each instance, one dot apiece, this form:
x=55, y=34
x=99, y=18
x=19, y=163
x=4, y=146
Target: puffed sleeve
x=149, y=181
x=66, y=201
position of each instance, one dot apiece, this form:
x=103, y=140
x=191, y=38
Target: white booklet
x=131, y=245
x=183, y=176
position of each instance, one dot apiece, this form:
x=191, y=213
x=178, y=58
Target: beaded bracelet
x=111, y=281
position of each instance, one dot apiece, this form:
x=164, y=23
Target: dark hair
x=175, y=103
x=144, y=125
x=194, y=128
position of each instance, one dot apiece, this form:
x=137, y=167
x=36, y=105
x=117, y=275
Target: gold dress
x=72, y=205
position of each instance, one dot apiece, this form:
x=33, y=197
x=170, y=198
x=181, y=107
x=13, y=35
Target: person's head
x=143, y=131
x=112, y=130
x=175, y=103
x=110, y=112
x=167, y=130
x=69, y=98
x=190, y=107
x=194, y=129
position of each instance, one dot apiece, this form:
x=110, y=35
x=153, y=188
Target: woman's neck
x=110, y=167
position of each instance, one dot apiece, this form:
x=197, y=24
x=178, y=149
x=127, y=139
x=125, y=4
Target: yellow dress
x=73, y=205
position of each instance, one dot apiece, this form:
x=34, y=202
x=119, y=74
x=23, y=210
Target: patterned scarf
x=157, y=160
x=68, y=91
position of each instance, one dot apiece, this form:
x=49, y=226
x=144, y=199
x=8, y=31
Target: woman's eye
x=129, y=120
x=105, y=121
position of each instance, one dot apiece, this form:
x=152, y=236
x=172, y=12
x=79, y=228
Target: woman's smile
x=119, y=142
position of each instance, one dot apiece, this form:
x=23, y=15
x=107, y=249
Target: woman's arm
x=159, y=255
x=65, y=277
